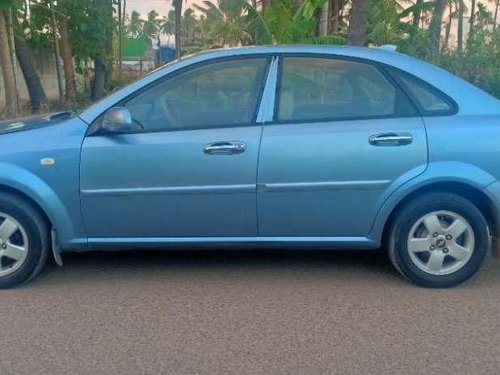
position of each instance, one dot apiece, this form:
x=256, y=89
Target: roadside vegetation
x=87, y=36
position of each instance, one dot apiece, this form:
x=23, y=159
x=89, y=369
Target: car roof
x=470, y=99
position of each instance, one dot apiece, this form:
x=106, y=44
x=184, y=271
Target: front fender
x=437, y=172
x=27, y=183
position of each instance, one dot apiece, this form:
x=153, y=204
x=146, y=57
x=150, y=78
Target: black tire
x=36, y=228
x=411, y=213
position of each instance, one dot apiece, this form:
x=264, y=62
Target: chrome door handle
x=391, y=139
x=224, y=148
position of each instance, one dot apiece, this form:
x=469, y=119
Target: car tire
x=24, y=241
x=439, y=240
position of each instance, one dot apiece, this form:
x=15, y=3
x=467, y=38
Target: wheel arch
x=36, y=191
x=472, y=193
x=8, y=189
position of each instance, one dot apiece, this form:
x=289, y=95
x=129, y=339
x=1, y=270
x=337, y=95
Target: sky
x=144, y=6
x=160, y=6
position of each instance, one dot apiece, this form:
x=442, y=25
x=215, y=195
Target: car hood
x=33, y=122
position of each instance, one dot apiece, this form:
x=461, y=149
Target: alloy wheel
x=441, y=242
x=14, y=245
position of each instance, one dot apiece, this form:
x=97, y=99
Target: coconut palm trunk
x=435, y=27
x=358, y=23
x=460, y=31
x=178, y=28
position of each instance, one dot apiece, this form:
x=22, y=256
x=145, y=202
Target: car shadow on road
x=262, y=263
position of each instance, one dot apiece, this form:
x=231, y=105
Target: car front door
x=192, y=171
x=342, y=135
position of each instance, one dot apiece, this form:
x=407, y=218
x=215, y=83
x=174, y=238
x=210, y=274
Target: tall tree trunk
x=120, y=38
x=358, y=23
x=448, y=26
x=38, y=98
x=99, y=81
x=178, y=28
x=108, y=45
x=67, y=59
x=460, y=31
x=417, y=14
x=11, y=108
x=56, y=49
x=335, y=16
x=103, y=59
x=472, y=20
x=495, y=17
x=435, y=27
x=325, y=16
x=10, y=31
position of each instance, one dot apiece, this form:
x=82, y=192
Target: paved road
x=168, y=313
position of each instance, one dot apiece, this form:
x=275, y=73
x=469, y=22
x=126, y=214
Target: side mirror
x=119, y=120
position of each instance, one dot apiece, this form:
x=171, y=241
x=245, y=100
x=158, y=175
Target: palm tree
x=190, y=25
x=150, y=28
x=167, y=24
x=281, y=23
x=223, y=23
x=135, y=25
x=385, y=22
x=484, y=16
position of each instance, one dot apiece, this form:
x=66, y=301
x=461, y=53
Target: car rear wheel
x=439, y=240
x=24, y=241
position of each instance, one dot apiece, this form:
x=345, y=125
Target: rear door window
x=317, y=88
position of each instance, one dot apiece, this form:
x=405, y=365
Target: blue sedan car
x=282, y=146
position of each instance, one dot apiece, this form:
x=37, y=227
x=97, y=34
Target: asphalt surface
x=244, y=313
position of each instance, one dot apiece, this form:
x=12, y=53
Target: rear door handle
x=224, y=148
x=391, y=139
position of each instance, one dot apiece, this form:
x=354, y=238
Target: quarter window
x=429, y=99
x=225, y=93
x=323, y=89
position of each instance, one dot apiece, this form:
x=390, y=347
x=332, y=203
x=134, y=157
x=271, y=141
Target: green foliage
x=282, y=23
x=222, y=23
x=478, y=64
x=8, y=4
x=219, y=23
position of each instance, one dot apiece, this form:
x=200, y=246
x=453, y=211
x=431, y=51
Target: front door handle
x=224, y=148
x=391, y=139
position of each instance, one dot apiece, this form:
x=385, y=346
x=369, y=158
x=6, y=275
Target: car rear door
x=343, y=136
x=192, y=171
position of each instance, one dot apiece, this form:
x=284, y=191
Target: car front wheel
x=24, y=240
x=439, y=240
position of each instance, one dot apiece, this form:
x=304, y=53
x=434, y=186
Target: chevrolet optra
x=312, y=147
